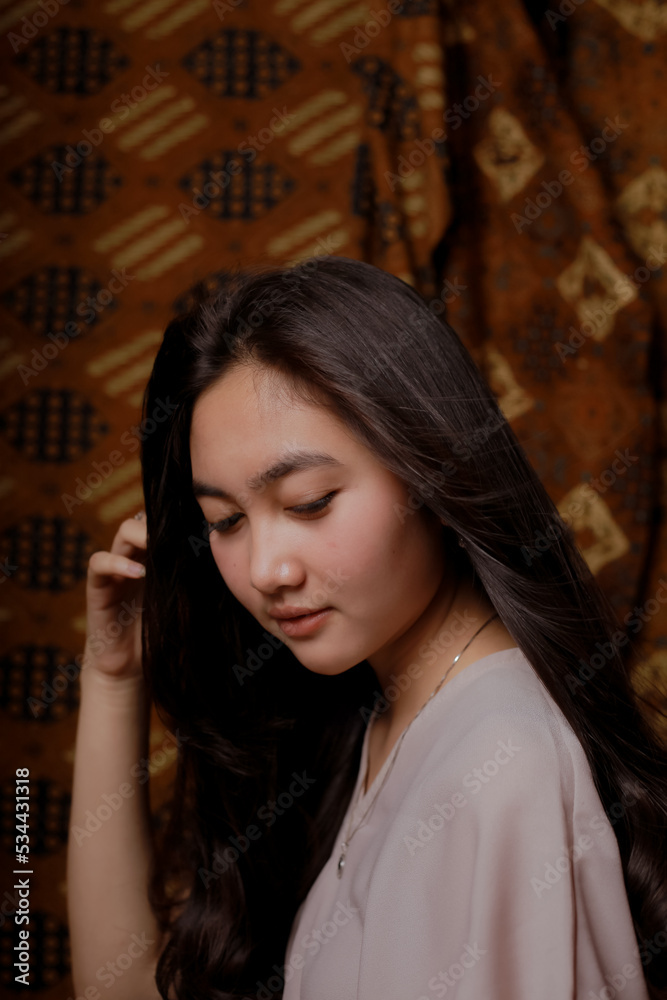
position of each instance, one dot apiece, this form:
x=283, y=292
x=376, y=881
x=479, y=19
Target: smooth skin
x=383, y=569
x=107, y=867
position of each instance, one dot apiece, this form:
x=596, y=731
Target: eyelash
x=310, y=508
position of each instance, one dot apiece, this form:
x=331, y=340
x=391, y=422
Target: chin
x=324, y=669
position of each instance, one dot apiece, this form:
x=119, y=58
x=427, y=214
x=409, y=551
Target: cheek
x=371, y=546
x=229, y=569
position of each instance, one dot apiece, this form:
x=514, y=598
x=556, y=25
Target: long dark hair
x=239, y=851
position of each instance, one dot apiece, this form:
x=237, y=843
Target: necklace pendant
x=341, y=862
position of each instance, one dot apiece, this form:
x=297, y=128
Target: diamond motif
x=52, y=425
x=49, y=812
x=241, y=63
x=647, y=20
x=593, y=513
x=27, y=689
x=641, y=207
x=73, y=61
x=79, y=191
x=203, y=290
x=230, y=187
x=591, y=270
x=46, y=300
x=392, y=105
x=506, y=155
x=50, y=553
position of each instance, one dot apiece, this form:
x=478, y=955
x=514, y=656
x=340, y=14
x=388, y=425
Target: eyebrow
x=291, y=461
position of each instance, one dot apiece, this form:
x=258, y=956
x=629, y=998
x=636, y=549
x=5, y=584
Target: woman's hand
x=113, y=598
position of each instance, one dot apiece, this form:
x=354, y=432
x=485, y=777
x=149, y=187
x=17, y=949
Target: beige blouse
x=487, y=868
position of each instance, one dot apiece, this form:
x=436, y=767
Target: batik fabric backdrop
x=508, y=162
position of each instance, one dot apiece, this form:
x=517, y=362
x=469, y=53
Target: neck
x=456, y=614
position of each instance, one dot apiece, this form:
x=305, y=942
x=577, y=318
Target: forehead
x=251, y=412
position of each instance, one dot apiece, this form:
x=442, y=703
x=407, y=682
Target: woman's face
x=366, y=555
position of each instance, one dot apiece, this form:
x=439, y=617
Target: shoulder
x=498, y=777
x=500, y=733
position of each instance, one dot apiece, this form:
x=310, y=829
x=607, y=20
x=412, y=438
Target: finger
x=103, y=565
x=131, y=537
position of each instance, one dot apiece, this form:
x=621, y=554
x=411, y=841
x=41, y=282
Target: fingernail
x=136, y=569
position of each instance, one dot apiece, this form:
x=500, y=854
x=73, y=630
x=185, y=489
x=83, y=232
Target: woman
x=410, y=760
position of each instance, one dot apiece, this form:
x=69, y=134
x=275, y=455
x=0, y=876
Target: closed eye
x=305, y=508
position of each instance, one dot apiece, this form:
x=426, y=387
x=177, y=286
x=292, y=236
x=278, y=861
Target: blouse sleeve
x=507, y=882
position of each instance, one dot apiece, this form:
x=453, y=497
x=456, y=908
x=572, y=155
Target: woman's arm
x=115, y=937
x=115, y=940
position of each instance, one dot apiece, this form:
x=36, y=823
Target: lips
x=293, y=612
x=304, y=624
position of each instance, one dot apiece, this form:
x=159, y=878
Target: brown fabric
x=346, y=100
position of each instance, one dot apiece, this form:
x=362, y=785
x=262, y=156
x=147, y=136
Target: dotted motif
x=248, y=194
x=363, y=188
x=73, y=61
x=636, y=483
x=392, y=105
x=38, y=683
x=205, y=289
x=52, y=425
x=535, y=343
x=384, y=218
x=47, y=300
x=47, y=817
x=50, y=553
x=390, y=226
x=541, y=98
x=49, y=951
x=81, y=188
x=239, y=63
x=419, y=8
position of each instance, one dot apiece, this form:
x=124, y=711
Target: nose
x=273, y=562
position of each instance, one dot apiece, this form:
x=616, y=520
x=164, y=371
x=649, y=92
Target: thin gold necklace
x=349, y=836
